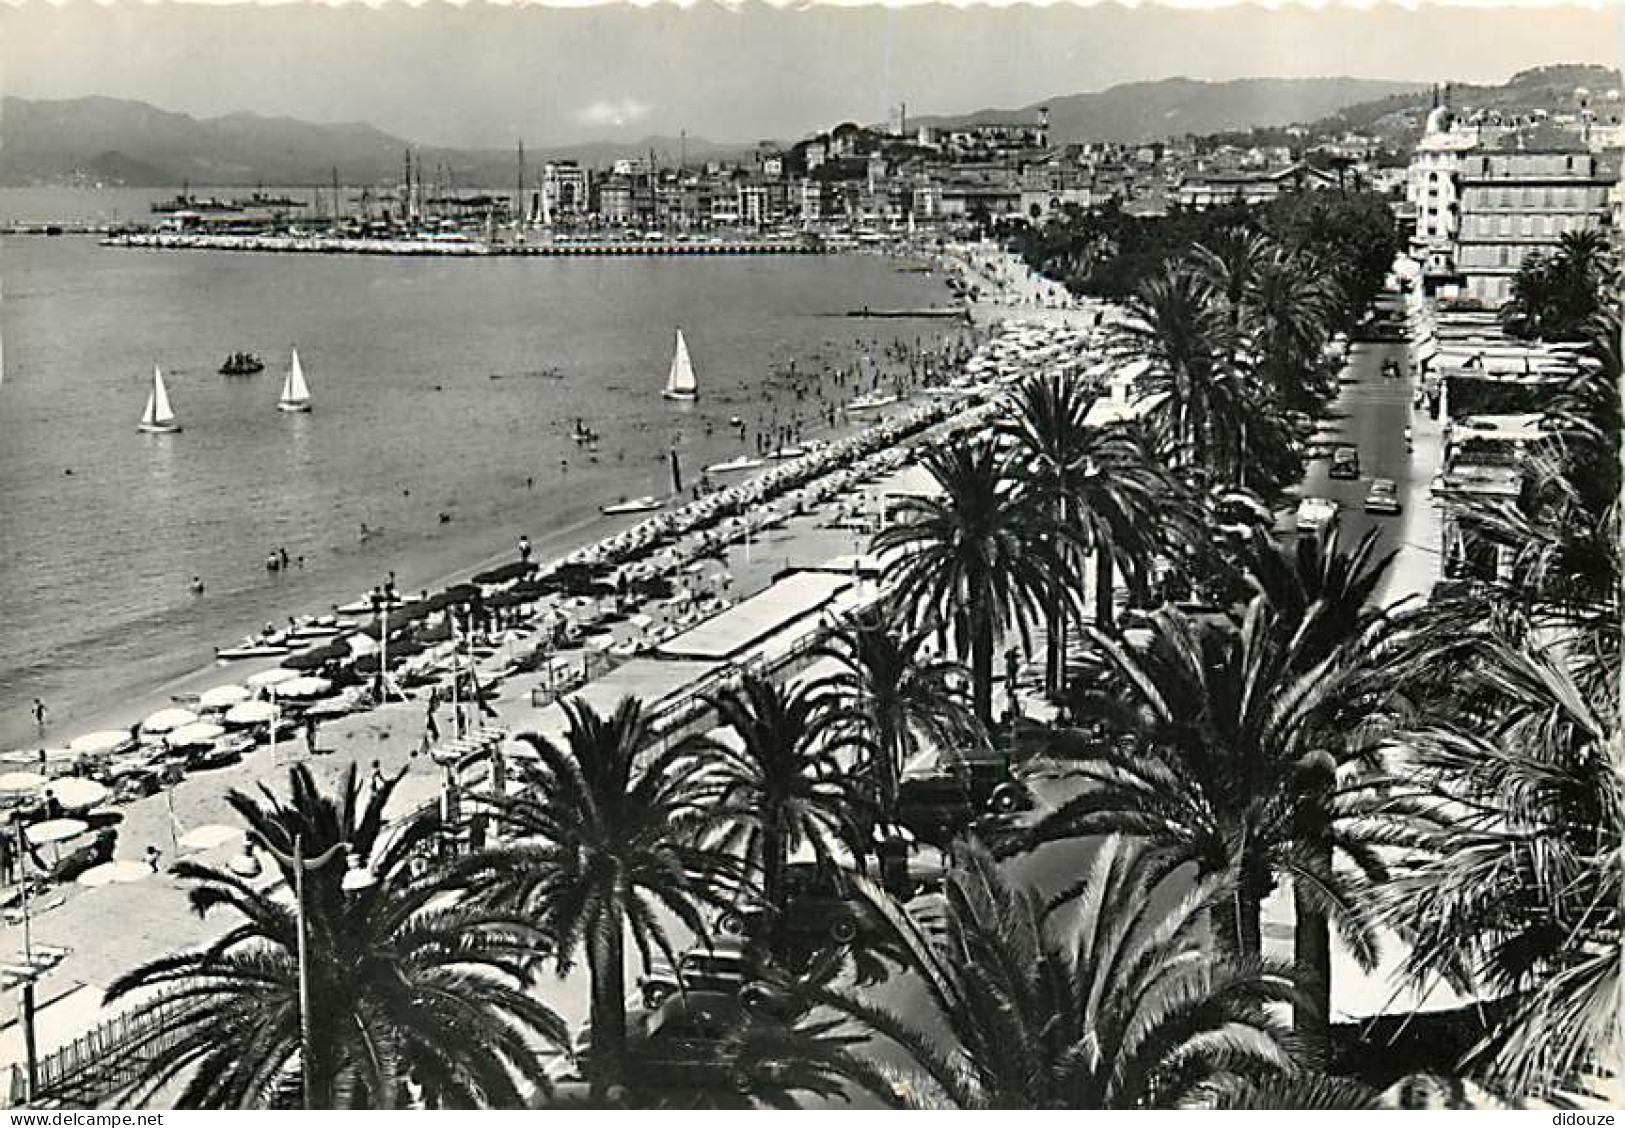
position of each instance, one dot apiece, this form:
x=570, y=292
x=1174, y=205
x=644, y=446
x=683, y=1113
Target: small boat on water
x=784, y=452
x=680, y=382
x=250, y=648
x=645, y=504
x=872, y=402
x=242, y=364
x=159, y=418
x=734, y=465
x=295, y=392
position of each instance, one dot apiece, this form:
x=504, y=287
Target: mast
x=336, y=206
x=520, y=211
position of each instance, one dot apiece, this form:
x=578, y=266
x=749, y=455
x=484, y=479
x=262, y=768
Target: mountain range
x=1172, y=107
x=119, y=141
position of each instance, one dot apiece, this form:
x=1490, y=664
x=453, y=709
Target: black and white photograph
x=820, y=556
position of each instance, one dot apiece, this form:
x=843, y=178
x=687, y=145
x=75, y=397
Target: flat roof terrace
x=724, y=637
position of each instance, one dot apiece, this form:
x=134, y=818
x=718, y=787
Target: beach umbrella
x=208, y=836
x=250, y=713
x=24, y=757
x=52, y=831
x=304, y=687
x=361, y=644
x=267, y=679
x=190, y=736
x=114, y=873
x=223, y=697
x=78, y=794
x=100, y=743
x=164, y=720
x=17, y=784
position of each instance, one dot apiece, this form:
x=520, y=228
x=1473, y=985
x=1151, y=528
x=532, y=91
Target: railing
x=102, y=1063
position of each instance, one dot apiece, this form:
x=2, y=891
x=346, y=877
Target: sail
x=294, y=388
x=158, y=409
x=681, y=380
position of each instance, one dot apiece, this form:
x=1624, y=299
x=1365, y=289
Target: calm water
x=440, y=387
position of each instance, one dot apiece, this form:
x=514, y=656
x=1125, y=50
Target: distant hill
x=119, y=141
x=1398, y=119
x=1172, y=107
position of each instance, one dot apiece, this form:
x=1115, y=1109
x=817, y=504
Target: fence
x=103, y=1062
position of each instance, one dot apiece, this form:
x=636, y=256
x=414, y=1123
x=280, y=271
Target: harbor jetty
x=454, y=248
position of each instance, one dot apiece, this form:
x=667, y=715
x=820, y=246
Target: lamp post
x=357, y=876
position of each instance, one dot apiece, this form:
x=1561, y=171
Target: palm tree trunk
x=773, y=880
x=1055, y=664
x=1312, y=952
x=606, y=957
x=1103, y=586
x=981, y=665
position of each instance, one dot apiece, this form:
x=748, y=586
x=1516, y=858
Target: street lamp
x=358, y=876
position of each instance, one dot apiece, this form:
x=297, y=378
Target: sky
x=483, y=75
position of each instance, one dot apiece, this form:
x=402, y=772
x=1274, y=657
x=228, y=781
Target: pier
x=288, y=244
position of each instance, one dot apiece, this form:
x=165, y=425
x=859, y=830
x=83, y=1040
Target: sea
x=446, y=396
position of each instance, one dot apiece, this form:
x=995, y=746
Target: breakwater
x=446, y=248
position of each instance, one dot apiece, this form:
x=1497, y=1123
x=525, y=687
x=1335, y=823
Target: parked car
x=940, y=804
x=1345, y=463
x=1315, y=513
x=819, y=904
x=727, y=967
x=1383, y=497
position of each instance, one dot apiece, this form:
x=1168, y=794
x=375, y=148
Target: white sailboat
x=159, y=418
x=295, y=392
x=680, y=383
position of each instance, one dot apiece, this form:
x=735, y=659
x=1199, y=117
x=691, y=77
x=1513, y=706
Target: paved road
x=1372, y=414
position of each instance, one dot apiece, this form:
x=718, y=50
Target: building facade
x=1520, y=203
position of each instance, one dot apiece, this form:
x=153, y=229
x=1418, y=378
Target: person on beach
x=376, y=779
x=524, y=550
x=310, y=735
x=153, y=857
x=39, y=714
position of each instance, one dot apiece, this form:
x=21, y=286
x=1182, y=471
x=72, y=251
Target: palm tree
x=979, y=558
x=1289, y=309
x=1230, y=748
x=1098, y=481
x=784, y=784
x=1514, y=788
x=1320, y=590
x=1553, y=295
x=888, y=690
x=401, y=991
x=1230, y=262
x=1110, y=999
x=1179, y=325
x=603, y=838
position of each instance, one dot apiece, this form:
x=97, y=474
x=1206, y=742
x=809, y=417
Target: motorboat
x=784, y=452
x=734, y=465
x=644, y=504
x=250, y=648
x=242, y=364
x=873, y=402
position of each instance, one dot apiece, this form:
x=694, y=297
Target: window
x=1526, y=226
x=1503, y=256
